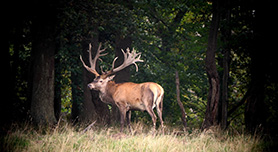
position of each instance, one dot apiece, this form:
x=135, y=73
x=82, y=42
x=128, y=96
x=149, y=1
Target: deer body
x=116, y=94
x=126, y=96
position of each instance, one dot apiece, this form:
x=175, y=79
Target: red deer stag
x=126, y=96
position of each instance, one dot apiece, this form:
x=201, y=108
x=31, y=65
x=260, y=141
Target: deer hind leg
x=159, y=108
x=148, y=99
x=152, y=114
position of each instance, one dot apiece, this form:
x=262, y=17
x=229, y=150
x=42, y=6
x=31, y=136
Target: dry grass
x=68, y=138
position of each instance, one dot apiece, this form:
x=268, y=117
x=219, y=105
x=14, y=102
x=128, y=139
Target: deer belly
x=140, y=107
x=137, y=106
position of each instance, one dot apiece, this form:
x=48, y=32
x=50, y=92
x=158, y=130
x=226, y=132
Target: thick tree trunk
x=102, y=112
x=76, y=85
x=224, y=103
x=43, y=47
x=92, y=107
x=42, y=105
x=88, y=109
x=101, y=109
x=57, y=94
x=213, y=78
x=226, y=68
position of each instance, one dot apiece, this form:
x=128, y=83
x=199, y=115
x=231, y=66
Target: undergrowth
x=65, y=137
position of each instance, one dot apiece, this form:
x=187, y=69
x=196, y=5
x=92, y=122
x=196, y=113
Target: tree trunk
x=261, y=63
x=123, y=75
x=57, y=94
x=88, y=110
x=226, y=62
x=211, y=69
x=76, y=85
x=224, y=113
x=92, y=107
x=43, y=47
x=101, y=108
x=255, y=113
x=183, y=116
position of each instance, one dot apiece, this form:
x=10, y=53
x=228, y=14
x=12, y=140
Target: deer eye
x=100, y=81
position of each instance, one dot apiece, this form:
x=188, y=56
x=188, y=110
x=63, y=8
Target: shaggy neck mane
x=107, y=95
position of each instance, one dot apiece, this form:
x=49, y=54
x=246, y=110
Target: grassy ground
x=68, y=138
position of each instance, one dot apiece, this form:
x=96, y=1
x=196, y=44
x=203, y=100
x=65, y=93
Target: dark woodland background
x=224, y=52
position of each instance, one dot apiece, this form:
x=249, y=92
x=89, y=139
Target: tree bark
x=183, y=116
x=43, y=47
x=76, y=85
x=226, y=62
x=92, y=107
x=211, y=69
x=57, y=92
x=101, y=108
x=224, y=103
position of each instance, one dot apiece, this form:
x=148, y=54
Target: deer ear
x=111, y=77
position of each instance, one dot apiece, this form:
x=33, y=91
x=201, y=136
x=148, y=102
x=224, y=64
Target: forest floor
x=65, y=137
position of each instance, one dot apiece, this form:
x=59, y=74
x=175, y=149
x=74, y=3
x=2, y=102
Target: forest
x=214, y=58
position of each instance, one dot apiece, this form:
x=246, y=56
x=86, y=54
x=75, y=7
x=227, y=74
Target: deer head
x=101, y=80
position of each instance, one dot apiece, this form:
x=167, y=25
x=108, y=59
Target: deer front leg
x=123, y=117
x=128, y=120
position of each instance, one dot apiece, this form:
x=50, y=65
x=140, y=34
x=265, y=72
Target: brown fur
x=132, y=96
x=126, y=96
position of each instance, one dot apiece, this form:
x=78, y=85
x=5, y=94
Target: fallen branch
x=89, y=127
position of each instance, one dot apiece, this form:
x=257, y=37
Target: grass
x=67, y=138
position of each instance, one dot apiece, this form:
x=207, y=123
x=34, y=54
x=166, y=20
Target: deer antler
x=129, y=59
x=92, y=69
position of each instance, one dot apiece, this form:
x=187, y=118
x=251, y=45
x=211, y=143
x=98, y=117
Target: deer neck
x=106, y=94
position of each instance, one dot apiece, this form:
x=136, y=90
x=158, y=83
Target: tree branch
x=89, y=127
x=239, y=103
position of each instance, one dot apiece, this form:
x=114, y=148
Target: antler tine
x=98, y=54
x=83, y=62
x=90, y=55
x=137, y=59
x=129, y=59
x=88, y=68
x=113, y=64
x=125, y=54
x=92, y=69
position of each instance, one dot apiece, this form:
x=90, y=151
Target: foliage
x=186, y=53
x=172, y=36
x=171, y=39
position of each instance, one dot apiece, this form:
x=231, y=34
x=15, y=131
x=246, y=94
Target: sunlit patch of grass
x=67, y=138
